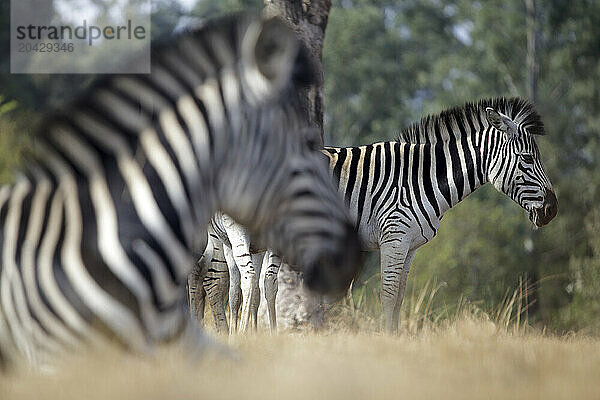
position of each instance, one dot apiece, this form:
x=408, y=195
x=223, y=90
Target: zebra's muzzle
x=332, y=273
x=323, y=279
x=543, y=215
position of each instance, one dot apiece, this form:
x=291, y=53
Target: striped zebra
x=398, y=191
x=101, y=229
x=209, y=280
x=235, y=267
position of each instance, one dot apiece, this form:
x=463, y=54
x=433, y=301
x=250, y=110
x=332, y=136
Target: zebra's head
x=274, y=181
x=515, y=167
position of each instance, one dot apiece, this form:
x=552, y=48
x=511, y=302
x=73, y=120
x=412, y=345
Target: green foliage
x=211, y=8
x=387, y=63
x=585, y=285
x=471, y=254
x=12, y=144
x=376, y=78
x=165, y=16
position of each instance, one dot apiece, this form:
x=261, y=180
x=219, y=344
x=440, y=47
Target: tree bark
x=308, y=19
x=531, y=280
x=532, y=44
x=296, y=308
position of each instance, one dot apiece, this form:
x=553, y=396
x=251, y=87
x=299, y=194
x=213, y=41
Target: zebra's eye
x=528, y=158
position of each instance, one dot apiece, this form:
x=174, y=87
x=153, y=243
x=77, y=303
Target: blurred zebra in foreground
x=398, y=191
x=101, y=229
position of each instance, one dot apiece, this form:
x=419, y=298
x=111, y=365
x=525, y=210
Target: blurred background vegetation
x=387, y=63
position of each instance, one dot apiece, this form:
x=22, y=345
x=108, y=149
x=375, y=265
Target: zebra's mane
x=432, y=128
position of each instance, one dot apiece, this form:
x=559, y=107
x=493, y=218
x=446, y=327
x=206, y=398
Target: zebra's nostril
x=314, y=280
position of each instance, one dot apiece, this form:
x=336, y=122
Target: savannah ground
x=469, y=360
x=467, y=355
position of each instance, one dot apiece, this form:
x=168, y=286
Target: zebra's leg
x=240, y=246
x=272, y=263
x=195, y=342
x=196, y=296
x=249, y=281
x=393, y=256
x=195, y=289
x=403, y=278
x=235, y=292
x=257, y=260
x=215, y=282
x=199, y=307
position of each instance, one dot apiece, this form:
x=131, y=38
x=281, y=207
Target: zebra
x=398, y=191
x=244, y=265
x=231, y=265
x=101, y=228
x=209, y=278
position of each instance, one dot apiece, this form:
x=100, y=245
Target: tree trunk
x=532, y=44
x=308, y=19
x=531, y=280
x=297, y=309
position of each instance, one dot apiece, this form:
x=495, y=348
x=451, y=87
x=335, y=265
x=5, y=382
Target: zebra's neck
x=460, y=161
x=430, y=177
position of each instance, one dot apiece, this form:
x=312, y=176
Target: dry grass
x=459, y=354
x=468, y=360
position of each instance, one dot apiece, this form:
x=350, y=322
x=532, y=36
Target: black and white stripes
x=101, y=230
x=398, y=191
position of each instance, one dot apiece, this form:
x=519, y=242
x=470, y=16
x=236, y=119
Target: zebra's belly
x=369, y=239
x=397, y=226
x=418, y=241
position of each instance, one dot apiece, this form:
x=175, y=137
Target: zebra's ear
x=501, y=122
x=276, y=49
x=269, y=50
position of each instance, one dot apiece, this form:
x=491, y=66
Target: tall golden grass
x=360, y=309
x=459, y=352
